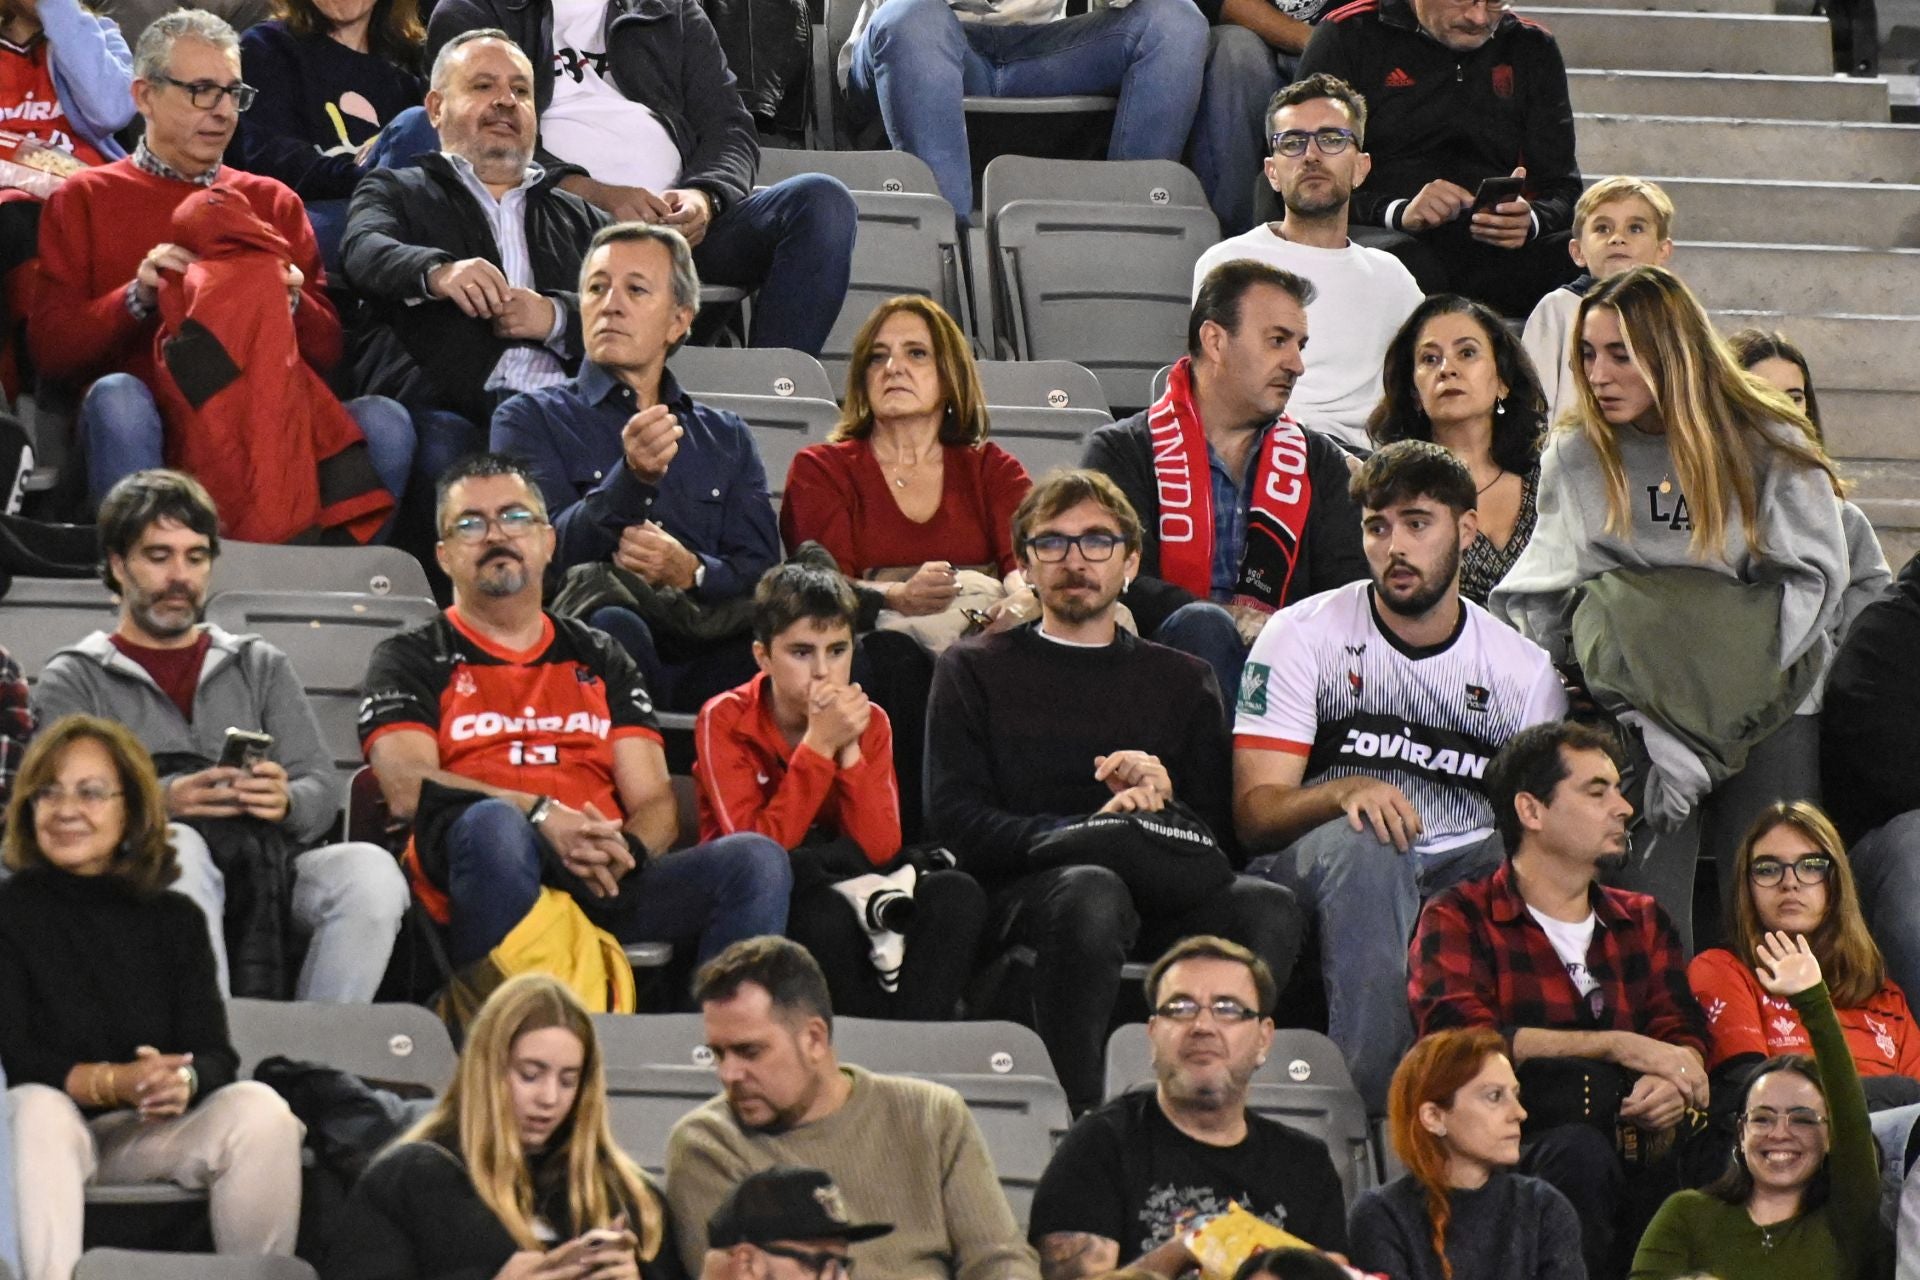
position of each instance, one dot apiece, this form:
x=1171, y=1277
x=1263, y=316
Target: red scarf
x=1277, y=512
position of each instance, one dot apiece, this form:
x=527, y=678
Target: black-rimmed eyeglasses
x=205, y=94
x=1768, y=872
x=1293, y=142
x=822, y=1264
x=1051, y=548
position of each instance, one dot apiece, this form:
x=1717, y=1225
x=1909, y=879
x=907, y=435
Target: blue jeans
x=792, y=246
x=443, y=438
x=121, y=426
x=916, y=60
x=719, y=892
x=1207, y=631
x=1366, y=896
x=1229, y=140
x=348, y=897
x=683, y=681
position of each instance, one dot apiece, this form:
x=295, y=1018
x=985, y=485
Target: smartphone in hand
x=1497, y=191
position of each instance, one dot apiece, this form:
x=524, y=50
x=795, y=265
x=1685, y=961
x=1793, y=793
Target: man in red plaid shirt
x=1564, y=966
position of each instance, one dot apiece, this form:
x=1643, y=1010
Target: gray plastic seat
x=936, y=1050
x=886, y=171
x=1041, y=384
x=1304, y=1083
x=782, y=427
x=374, y=571
x=41, y=616
x=749, y=371
x=398, y=1043
x=1045, y=439
x=1061, y=297
x=136, y=1264
x=1157, y=183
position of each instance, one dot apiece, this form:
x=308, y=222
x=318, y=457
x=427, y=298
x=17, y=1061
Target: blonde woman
x=1677, y=459
x=515, y=1174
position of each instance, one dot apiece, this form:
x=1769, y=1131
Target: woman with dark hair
x=1772, y=358
x=515, y=1173
x=1460, y=1212
x=1456, y=375
x=112, y=1030
x=1282, y=1264
x=1800, y=1197
x=332, y=74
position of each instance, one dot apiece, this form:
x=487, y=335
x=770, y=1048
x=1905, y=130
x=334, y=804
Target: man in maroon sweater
x=105, y=245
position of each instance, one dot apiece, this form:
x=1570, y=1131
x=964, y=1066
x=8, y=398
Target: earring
x=1441, y=1134
x=1499, y=406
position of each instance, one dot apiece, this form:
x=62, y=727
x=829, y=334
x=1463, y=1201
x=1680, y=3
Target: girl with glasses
x=112, y=1028
x=515, y=1174
x=1800, y=1195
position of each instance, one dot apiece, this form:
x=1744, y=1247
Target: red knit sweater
x=94, y=233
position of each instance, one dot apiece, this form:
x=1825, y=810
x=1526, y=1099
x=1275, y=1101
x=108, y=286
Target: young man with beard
x=1034, y=730
x=1360, y=295
x=1367, y=718
x=180, y=684
x=1128, y=1178
x=548, y=722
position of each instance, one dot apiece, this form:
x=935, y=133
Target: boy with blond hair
x=1619, y=223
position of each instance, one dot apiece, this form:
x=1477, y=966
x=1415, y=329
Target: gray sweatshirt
x=1804, y=548
x=245, y=683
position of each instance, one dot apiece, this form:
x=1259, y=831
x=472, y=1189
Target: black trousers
x=942, y=943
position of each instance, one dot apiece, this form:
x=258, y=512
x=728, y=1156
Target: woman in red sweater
x=909, y=491
x=1792, y=876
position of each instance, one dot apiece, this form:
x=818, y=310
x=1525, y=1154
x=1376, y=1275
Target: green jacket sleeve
x=1853, y=1160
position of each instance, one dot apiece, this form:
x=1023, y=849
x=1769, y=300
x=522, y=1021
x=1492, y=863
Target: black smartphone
x=245, y=748
x=1495, y=191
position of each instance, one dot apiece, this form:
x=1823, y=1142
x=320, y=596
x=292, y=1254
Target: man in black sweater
x=1033, y=730
x=1456, y=95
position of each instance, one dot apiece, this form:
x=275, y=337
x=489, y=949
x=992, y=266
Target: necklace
x=1497, y=477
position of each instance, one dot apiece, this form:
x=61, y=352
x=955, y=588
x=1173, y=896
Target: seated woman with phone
x=515, y=1174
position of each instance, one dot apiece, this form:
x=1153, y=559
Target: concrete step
x=1802, y=279
x=1639, y=40
x=1854, y=356
x=1884, y=488
x=1675, y=93
x=1809, y=151
x=1874, y=215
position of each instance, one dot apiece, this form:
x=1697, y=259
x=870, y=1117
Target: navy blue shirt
x=713, y=498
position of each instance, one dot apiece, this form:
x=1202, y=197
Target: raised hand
x=1787, y=964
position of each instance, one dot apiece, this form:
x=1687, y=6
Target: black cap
x=787, y=1203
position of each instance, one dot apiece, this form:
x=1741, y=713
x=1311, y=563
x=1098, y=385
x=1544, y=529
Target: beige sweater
x=903, y=1151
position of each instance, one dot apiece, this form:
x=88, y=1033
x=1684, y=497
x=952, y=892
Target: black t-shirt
x=1125, y=1172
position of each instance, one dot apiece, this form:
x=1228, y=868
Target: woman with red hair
x=1459, y=1212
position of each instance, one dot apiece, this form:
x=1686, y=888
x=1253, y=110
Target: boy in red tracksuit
x=799, y=753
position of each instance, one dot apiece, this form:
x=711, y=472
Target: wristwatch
x=537, y=814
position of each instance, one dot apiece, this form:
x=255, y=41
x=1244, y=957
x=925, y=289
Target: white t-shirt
x=1326, y=681
x=592, y=124
x=1362, y=297
x=1571, y=942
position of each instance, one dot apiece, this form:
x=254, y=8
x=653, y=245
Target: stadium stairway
x=1798, y=202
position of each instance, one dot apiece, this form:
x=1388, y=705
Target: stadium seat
x=782, y=427
x=1304, y=1083
x=1045, y=439
x=1161, y=377
x=749, y=371
x=937, y=1050
x=895, y=172
x=1041, y=384
x=134, y=1264
x=395, y=1043
x=1158, y=183
x=374, y=571
x=658, y=1068
x=329, y=637
x=1061, y=298
x=41, y=616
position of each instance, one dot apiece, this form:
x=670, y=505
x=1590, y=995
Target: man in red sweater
x=800, y=754
x=104, y=248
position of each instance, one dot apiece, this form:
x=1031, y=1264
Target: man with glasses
x=1461, y=92
x=181, y=685
x=1034, y=729
x=1317, y=133
x=107, y=242
x=1366, y=719
x=1129, y=1178
x=524, y=750
x=787, y=1223
x=1569, y=968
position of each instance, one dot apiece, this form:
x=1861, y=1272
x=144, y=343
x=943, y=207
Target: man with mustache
x=1461, y=91
x=1032, y=730
x=1366, y=721
x=180, y=684
x=1243, y=511
x=523, y=748
x=1361, y=296
x=1492, y=952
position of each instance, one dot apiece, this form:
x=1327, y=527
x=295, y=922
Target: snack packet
x=29, y=165
x=1225, y=1240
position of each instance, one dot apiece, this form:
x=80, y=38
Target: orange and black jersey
x=543, y=721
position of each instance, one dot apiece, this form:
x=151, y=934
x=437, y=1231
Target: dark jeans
x=898, y=675
x=677, y=681
x=1447, y=259
x=719, y=892
x=1082, y=925
x=792, y=245
x=1578, y=1161
x=950, y=910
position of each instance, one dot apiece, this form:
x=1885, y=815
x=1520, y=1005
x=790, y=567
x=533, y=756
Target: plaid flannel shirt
x=1479, y=958
x=16, y=727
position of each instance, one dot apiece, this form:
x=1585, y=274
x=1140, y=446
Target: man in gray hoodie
x=180, y=684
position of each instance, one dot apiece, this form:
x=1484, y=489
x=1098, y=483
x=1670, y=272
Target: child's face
x=805, y=654
x=1619, y=235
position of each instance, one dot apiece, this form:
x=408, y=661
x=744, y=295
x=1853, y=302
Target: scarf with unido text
x=1277, y=514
